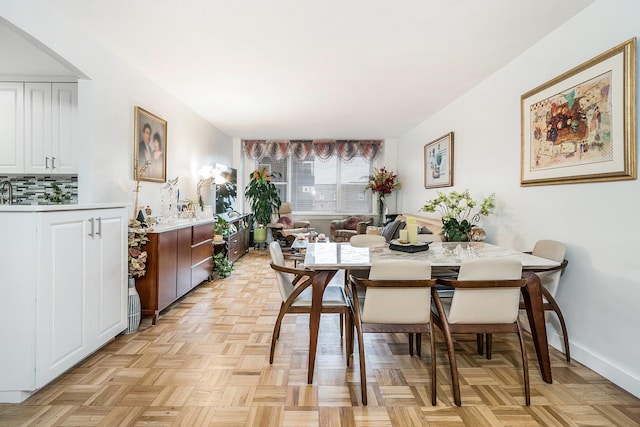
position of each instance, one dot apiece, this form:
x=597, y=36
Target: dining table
x=326, y=259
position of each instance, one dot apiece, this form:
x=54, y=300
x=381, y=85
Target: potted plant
x=460, y=213
x=222, y=267
x=382, y=183
x=264, y=198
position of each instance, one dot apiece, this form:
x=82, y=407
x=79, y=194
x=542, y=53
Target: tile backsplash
x=31, y=189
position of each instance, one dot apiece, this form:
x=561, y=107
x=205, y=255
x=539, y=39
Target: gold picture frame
x=438, y=162
x=581, y=126
x=150, y=144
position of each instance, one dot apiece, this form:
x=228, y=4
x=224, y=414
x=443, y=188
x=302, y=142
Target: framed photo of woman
x=150, y=147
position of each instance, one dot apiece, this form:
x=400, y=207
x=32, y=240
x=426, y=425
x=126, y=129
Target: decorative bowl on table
x=403, y=246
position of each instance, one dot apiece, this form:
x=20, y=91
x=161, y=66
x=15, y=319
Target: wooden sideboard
x=179, y=258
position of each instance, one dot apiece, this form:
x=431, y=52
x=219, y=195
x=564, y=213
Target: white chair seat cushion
x=333, y=296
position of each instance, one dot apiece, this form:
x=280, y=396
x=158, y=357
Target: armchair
x=286, y=228
x=343, y=229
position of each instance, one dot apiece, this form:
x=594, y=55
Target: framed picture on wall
x=438, y=162
x=150, y=147
x=580, y=126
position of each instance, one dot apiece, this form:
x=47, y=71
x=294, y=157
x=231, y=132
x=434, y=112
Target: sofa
x=343, y=229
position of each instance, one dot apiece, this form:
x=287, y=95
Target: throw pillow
x=351, y=223
x=392, y=230
x=424, y=230
x=286, y=222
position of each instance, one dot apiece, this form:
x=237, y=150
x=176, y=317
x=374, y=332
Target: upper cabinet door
x=63, y=128
x=37, y=127
x=11, y=127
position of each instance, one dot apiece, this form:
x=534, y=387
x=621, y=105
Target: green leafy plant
x=263, y=196
x=59, y=196
x=222, y=227
x=222, y=267
x=460, y=213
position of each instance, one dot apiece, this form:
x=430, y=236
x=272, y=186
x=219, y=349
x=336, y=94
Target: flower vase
x=134, y=307
x=382, y=205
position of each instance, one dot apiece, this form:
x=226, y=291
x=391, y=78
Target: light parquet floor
x=206, y=363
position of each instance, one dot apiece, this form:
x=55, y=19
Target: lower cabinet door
x=61, y=318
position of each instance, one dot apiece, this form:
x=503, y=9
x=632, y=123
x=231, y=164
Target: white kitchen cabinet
x=11, y=127
x=70, y=288
x=50, y=127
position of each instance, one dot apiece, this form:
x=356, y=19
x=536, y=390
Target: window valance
x=300, y=150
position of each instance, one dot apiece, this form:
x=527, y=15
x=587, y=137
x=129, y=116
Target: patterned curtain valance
x=300, y=150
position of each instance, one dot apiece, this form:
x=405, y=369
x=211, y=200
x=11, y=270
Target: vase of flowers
x=263, y=196
x=137, y=268
x=460, y=213
x=382, y=183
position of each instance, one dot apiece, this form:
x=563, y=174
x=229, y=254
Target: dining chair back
x=285, y=285
x=486, y=305
x=367, y=241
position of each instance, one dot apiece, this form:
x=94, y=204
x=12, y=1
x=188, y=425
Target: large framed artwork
x=580, y=126
x=150, y=146
x=438, y=162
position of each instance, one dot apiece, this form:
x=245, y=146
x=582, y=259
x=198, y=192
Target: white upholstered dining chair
x=294, y=285
x=485, y=301
x=397, y=300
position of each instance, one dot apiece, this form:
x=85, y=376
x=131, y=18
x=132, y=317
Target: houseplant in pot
x=460, y=213
x=264, y=199
x=137, y=260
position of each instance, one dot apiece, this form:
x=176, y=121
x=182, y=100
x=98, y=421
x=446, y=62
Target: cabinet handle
x=53, y=163
x=46, y=163
x=93, y=228
x=99, y=233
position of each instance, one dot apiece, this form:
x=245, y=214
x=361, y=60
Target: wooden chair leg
x=419, y=344
x=556, y=309
x=479, y=343
x=455, y=384
x=363, y=369
x=432, y=340
x=489, y=340
x=348, y=336
x=276, y=332
x=410, y=343
x=525, y=366
x=341, y=325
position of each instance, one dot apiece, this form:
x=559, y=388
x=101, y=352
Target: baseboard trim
x=596, y=363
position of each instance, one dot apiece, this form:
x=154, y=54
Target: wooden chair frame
x=300, y=284
x=362, y=328
x=440, y=320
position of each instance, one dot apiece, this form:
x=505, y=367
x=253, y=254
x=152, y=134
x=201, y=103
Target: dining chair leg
x=341, y=325
x=419, y=344
x=432, y=340
x=489, y=340
x=455, y=384
x=479, y=343
x=276, y=332
x=410, y=343
x=525, y=366
x=363, y=369
x=348, y=336
x=556, y=309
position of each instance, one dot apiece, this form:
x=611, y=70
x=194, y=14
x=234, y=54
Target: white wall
x=106, y=110
x=600, y=292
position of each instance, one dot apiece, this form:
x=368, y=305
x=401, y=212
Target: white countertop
x=54, y=208
x=179, y=223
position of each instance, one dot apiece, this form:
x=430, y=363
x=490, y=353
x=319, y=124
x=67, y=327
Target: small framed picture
x=150, y=147
x=438, y=162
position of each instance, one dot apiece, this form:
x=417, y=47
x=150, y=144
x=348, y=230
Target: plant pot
x=259, y=234
x=134, y=307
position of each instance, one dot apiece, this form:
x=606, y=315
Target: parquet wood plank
x=206, y=363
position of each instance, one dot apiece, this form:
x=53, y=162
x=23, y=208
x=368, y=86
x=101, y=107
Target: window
x=315, y=185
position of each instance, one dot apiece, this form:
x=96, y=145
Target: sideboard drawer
x=201, y=233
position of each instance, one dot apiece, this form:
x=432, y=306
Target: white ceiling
x=323, y=68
